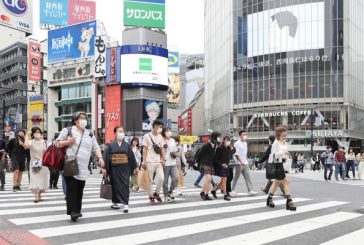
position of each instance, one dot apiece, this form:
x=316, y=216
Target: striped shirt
x=88, y=145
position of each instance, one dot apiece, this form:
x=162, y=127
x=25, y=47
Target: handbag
x=105, y=189
x=271, y=169
x=70, y=167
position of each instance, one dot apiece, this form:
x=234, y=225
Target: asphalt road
x=326, y=211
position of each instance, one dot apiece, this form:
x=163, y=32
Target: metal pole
x=312, y=116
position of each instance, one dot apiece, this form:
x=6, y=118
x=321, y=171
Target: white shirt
x=152, y=157
x=278, y=152
x=172, y=147
x=241, y=151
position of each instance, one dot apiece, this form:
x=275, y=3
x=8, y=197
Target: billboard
x=36, y=112
x=285, y=29
x=152, y=110
x=34, y=61
x=113, y=65
x=150, y=1
x=54, y=12
x=100, y=57
x=143, y=65
x=68, y=74
x=173, y=62
x=73, y=42
x=137, y=13
x=112, y=111
x=17, y=14
x=174, y=90
x=81, y=11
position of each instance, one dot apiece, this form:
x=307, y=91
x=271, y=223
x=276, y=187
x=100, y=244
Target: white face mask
x=218, y=139
x=159, y=130
x=120, y=136
x=227, y=143
x=37, y=136
x=83, y=123
x=168, y=134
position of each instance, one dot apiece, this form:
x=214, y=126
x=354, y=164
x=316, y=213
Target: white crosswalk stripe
x=167, y=223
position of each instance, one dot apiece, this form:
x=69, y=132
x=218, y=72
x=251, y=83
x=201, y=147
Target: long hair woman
x=278, y=156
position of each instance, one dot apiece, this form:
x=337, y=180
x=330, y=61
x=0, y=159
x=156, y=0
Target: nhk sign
x=145, y=14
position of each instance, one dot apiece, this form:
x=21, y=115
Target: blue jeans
x=340, y=167
x=198, y=180
x=350, y=164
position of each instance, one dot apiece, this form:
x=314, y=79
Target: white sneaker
x=168, y=199
x=126, y=209
x=252, y=193
x=233, y=194
x=115, y=206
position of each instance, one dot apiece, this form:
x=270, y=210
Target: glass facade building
x=295, y=63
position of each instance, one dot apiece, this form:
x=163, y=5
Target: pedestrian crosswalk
x=188, y=220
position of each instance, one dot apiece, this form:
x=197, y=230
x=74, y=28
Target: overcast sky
x=184, y=22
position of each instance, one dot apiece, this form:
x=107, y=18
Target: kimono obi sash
x=119, y=158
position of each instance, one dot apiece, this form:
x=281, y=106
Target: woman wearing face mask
x=350, y=157
x=39, y=174
x=222, y=159
x=120, y=165
x=138, y=158
x=170, y=167
x=81, y=143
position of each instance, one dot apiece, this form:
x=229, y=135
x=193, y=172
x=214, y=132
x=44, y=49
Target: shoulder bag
x=271, y=169
x=156, y=147
x=70, y=168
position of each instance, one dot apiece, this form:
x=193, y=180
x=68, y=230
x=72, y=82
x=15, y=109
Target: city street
x=328, y=213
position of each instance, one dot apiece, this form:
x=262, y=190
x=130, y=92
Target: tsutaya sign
x=283, y=113
x=326, y=133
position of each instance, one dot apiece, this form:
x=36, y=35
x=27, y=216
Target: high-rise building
x=295, y=63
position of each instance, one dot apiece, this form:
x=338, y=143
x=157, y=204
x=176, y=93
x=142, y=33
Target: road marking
x=184, y=230
x=356, y=237
x=288, y=230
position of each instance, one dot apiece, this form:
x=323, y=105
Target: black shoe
x=203, y=196
x=227, y=198
x=50, y=187
x=270, y=202
x=18, y=188
x=15, y=189
x=152, y=200
x=290, y=205
x=264, y=190
x=208, y=198
x=2, y=188
x=213, y=192
x=55, y=187
x=75, y=216
x=157, y=197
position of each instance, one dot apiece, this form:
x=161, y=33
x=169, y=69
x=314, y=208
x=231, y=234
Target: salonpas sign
x=144, y=13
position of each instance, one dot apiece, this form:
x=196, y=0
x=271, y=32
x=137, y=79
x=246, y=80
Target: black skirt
x=281, y=174
x=221, y=172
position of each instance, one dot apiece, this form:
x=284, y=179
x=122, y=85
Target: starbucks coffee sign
x=283, y=113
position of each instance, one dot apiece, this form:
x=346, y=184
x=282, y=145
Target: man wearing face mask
x=329, y=159
x=154, y=159
x=120, y=164
x=242, y=167
x=80, y=142
x=18, y=155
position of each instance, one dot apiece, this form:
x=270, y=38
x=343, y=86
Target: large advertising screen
x=153, y=110
x=143, y=65
x=81, y=11
x=73, y=42
x=290, y=28
x=17, y=14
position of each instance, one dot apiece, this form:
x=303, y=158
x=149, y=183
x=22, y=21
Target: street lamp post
x=312, y=117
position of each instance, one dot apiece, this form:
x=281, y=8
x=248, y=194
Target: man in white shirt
x=153, y=159
x=243, y=166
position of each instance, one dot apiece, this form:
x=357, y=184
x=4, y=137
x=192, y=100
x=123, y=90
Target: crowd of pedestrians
x=158, y=166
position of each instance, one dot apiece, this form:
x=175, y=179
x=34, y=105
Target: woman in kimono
x=120, y=165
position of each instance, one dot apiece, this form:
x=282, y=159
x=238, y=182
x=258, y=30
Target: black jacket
x=266, y=154
x=206, y=154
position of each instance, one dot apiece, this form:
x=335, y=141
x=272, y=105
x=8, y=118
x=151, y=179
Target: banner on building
x=113, y=65
x=185, y=123
x=153, y=110
x=174, y=90
x=81, y=11
x=34, y=61
x=187, y=140
x=112, y=114
x=145, y=14
x=173, y=62
x=73, y=42
x=143, y=65
x=17, y=14
x=69, y=74
x=54, y=12
x=36, y=112
x=100, y=57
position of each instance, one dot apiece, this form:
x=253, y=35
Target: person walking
x=3, y=163
x=120, y=163
x=181, y=161
x=241, y=153
x=360, y=159
x=206, y=157
x=295, y=162
x=138, y=158
x=170, y=167
x=340, y=160
x=316, y=162
x=81, y=143
x=350, y=164
x=222, y=159
x=265, y=159
x=154, y=159
x=278, y=156
x=18, y=155
x=39, y=174
x=329, y=162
